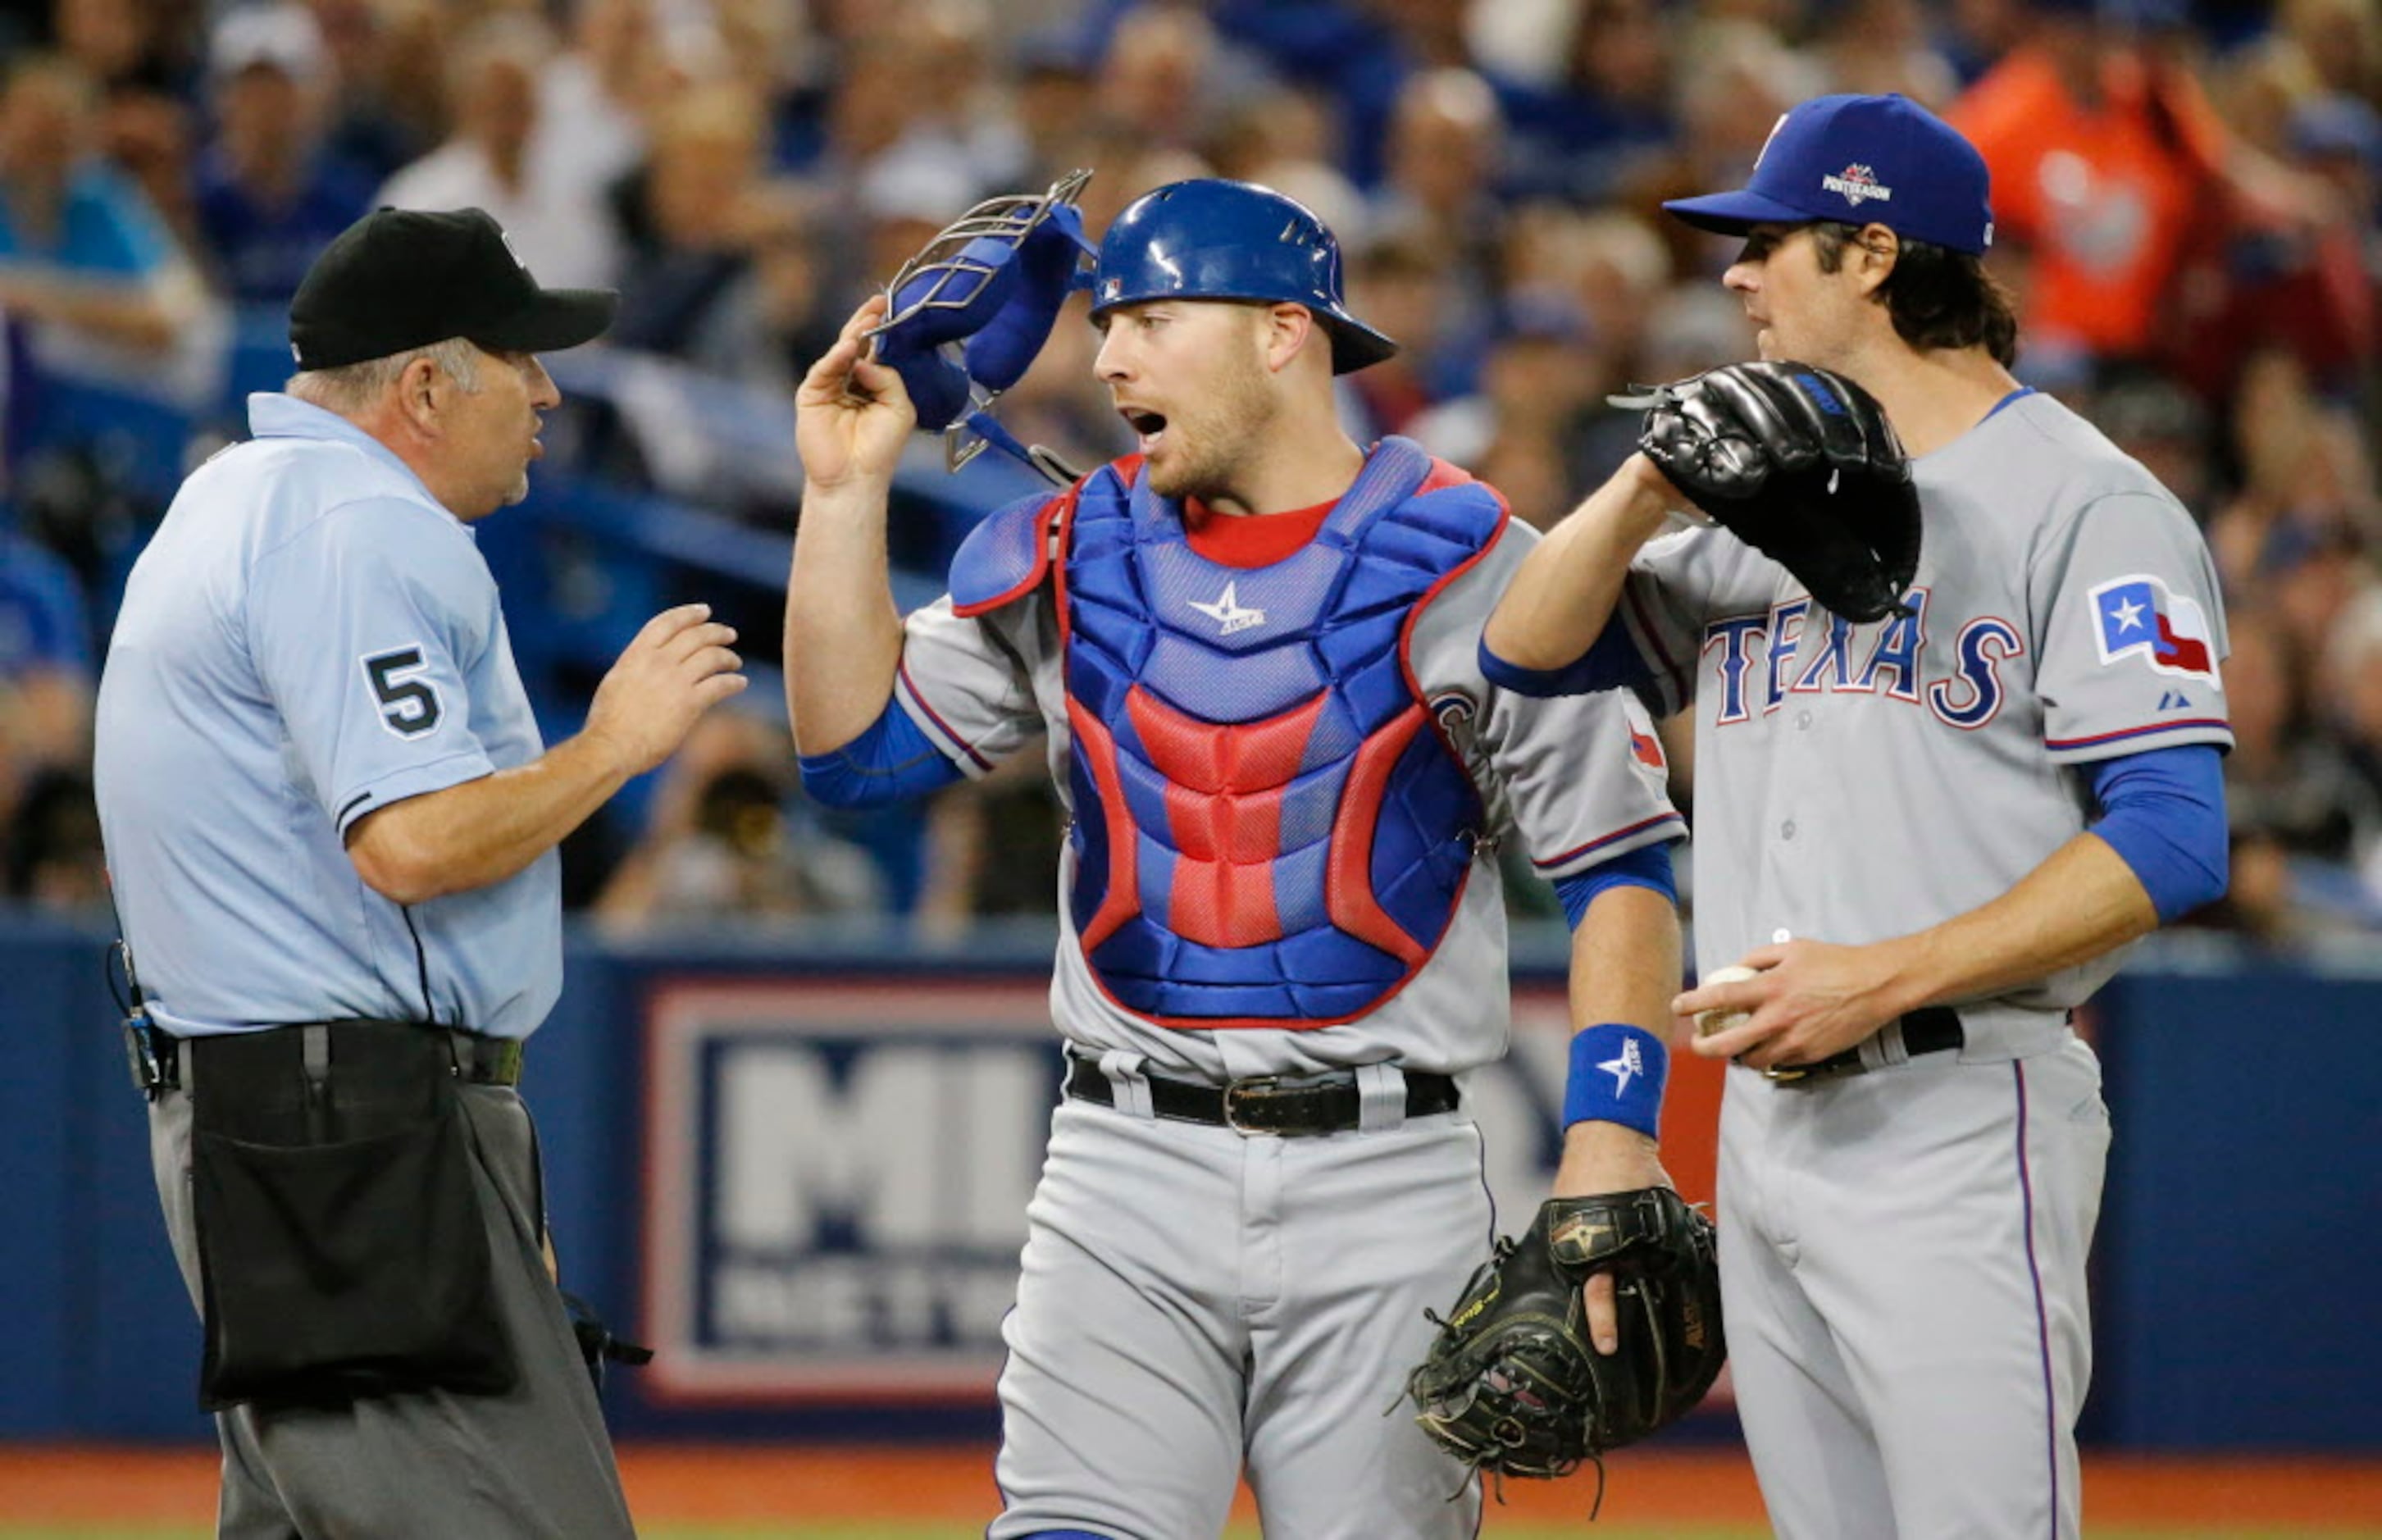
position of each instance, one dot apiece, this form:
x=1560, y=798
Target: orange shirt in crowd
x=2108, y=198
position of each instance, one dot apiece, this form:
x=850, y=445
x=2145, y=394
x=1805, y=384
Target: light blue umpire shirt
x=312, y=636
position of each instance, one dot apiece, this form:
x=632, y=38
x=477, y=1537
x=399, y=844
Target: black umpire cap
x=403, y=279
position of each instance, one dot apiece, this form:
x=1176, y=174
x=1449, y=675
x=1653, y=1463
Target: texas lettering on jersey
x=1759, y=664
x=1760, y=660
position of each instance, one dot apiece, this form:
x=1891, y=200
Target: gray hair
x=352, y=388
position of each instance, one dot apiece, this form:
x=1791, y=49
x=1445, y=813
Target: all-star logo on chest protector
x=1227, y=611
x=1270, y=829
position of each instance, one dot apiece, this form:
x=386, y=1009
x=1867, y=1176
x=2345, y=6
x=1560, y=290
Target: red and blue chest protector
x=1269, y=829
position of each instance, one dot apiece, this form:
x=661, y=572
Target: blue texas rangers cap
x=1860, y=160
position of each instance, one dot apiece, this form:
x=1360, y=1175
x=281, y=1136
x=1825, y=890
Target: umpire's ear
x=422, y=392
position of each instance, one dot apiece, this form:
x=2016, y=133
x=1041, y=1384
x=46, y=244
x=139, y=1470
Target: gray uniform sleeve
x=967, y=682
x=1678, y=583
x=2129, y=631
x=1581, y=778
x=363, y=627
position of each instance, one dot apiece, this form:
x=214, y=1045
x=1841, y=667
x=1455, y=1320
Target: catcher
x=1251, y=655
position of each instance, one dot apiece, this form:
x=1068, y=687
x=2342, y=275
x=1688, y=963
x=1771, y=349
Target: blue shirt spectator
x=263, y=246
x=44, y=624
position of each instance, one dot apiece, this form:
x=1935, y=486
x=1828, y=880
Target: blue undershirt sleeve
x=2163, y=811
x=1648, y=865
x=1612, y=663
x=891, y=762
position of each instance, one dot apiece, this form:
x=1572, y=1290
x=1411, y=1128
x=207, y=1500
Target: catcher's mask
x=1211, y=239
x=970, y=312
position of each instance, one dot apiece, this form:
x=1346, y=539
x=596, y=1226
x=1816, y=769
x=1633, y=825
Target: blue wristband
x=1617, y=1077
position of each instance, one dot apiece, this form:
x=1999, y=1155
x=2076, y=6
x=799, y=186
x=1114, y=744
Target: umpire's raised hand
x=853, y=414
x=678, y=667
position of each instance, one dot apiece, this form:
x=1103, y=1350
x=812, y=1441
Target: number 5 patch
x=408, y=706
x=2137, y=614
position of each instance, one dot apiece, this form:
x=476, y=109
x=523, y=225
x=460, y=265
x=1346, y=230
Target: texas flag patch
x=2139, y=614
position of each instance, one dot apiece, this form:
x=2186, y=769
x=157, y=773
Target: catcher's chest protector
x=1269, y=829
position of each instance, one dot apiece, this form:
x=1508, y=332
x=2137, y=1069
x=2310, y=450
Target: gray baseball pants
x=1194, y=1305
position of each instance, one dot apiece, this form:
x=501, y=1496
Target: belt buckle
x=1786, y=1074
x=1248, y=1085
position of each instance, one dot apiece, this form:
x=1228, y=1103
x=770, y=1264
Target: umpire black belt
x=1264, y=1104
x=475, y=1058
x=1929, y=1029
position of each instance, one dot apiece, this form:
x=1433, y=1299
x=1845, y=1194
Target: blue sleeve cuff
x=1611, y=664
x=2163, y=812
x=1648, y=865
x=891, y=762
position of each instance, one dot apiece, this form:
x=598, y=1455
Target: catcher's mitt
x=1800, y=463
x=1514, y=1385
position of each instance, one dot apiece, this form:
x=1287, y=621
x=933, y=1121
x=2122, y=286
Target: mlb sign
x=837, y=1176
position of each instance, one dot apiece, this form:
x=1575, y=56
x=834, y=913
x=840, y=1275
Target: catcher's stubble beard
x=1237, y=408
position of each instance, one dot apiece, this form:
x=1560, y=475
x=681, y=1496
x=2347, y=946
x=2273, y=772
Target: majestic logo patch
x=1621, y=1068
x=1227, y=611
x=1857, y=184
x=2138, y=614
x=1647, y=747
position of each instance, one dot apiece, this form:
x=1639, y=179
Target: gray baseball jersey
x=1855, y=782
x=1580, y=780
x=1905, y=1289
x=311, y=636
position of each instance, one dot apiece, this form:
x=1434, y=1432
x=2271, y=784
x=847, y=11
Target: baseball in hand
x=1718, y=1019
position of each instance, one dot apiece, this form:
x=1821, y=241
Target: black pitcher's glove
x=1800, y=463
x=1514, y=1385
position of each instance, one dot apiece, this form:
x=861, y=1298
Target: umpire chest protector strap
x=1270, y=829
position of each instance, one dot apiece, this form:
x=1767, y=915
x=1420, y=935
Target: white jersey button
x=1803, y=720
x=1787, y=830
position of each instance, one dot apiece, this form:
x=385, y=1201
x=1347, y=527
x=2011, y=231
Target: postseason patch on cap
x=1857, y=184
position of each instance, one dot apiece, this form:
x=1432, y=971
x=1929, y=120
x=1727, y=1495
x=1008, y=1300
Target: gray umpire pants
x=534, y=1461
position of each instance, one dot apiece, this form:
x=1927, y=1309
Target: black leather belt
x=1264, y=1104
x=477, y=1058
x=1929, y=1029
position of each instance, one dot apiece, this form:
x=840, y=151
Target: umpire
x=331, y=829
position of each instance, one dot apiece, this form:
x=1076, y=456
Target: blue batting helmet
x=1217, y=240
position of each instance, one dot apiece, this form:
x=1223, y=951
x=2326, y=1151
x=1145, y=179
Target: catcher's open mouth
x=1151, y=425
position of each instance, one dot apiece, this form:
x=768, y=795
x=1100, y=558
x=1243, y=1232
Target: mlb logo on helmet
x=2138, y=614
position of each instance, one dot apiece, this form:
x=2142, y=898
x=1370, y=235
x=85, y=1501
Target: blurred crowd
x=2185, y=193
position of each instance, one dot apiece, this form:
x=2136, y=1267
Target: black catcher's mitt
x=1800, y=463
x=1515, y=1386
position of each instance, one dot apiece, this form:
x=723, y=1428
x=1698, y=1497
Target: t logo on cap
x=1882, y=160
